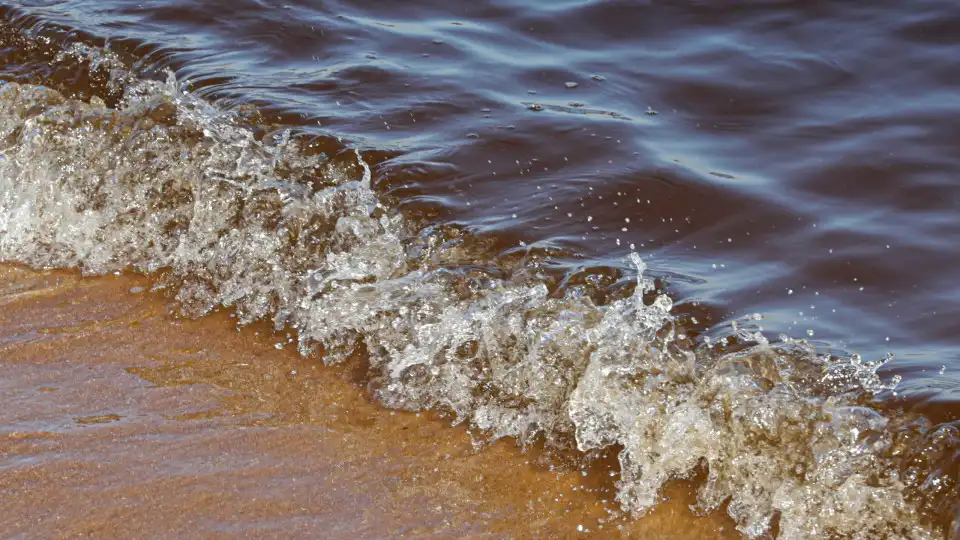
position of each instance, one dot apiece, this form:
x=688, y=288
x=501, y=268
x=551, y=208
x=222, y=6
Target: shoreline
x=125, y=419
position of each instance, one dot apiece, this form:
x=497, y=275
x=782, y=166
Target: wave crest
x=275, y=229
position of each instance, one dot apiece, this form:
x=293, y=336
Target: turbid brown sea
x=122, y=420
x=511, y=268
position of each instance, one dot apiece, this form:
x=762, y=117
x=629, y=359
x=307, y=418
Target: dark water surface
x=795, y=160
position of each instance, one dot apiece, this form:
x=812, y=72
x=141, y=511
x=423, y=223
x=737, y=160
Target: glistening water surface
x=579, y=222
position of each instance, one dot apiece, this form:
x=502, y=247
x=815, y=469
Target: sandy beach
x=121, y=419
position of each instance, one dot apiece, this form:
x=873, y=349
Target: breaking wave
x=165, y=183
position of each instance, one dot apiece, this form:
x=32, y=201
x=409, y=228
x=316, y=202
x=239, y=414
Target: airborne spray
x=163, y=182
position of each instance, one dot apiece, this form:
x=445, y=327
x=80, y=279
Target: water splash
x=166, y=183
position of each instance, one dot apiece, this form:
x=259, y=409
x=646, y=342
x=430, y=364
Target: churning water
x=718, y=238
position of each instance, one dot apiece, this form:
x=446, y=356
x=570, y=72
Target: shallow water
x=122, y=420
x=460, y=187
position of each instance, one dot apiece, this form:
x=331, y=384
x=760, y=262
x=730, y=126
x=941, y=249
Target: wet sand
x=120, y=419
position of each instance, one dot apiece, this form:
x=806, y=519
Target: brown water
x=712, y=242
x=121, y=420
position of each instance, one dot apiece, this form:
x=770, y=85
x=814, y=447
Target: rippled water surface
x=461, y=189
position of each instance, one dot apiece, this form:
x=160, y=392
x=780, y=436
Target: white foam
x=167, y=184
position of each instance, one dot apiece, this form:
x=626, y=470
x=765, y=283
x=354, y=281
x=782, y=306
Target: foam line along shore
x=141, y=174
